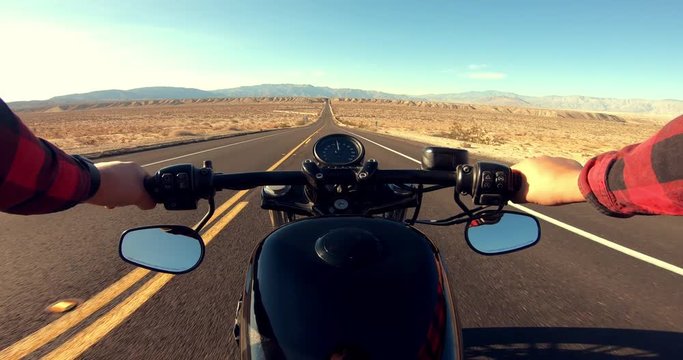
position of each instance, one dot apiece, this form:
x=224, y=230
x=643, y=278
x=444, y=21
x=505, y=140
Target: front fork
x=236, y=331
x=395, y=215
x=279, y=218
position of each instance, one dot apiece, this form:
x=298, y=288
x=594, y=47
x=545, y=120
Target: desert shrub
x=474, y=133
x=302, y=121
x=183, y=133
x=346, y=121
x=88, y=141
x=358, y=124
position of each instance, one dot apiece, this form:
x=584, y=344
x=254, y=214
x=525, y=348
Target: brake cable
x=416, y=212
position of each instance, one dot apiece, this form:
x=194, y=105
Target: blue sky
x=615, y=48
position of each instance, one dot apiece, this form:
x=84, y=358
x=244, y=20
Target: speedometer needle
x=338, y=145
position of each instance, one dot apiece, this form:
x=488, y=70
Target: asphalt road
x=566, y=297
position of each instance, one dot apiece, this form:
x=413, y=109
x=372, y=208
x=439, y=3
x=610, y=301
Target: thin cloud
x=477, y=66
x=486, y=75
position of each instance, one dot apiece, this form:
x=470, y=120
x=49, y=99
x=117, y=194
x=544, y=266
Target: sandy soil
x=505, y=133
x=97, y=127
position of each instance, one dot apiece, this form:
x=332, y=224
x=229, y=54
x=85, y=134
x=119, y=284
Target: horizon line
x=348, y=88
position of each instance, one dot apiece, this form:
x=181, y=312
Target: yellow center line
x=274, y=166
x=48, y=333
x=226, y=205
x=92, y=334
x=51, y=331
x=212, y=232
x=220, y=210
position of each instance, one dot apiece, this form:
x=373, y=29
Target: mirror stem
x=209, y=214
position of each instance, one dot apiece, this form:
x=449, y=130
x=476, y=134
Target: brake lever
x=207, y=169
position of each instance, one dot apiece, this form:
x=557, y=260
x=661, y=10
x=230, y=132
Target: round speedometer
x=338, y=150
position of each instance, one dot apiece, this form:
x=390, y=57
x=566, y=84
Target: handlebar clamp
x=314, y=174
x=366, y=172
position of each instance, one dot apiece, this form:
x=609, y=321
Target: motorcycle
x=345, y=274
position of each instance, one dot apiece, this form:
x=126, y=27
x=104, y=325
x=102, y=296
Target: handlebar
x=179, y=187
x=242, y=181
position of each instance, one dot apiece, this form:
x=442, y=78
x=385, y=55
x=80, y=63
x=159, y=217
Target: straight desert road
x=564, y=298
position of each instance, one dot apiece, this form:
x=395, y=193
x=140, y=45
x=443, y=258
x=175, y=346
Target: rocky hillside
x=167, y=102
x=563, y=114
x=495, y=98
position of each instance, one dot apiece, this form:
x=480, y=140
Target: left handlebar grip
x=180, y=187
x=489, y=183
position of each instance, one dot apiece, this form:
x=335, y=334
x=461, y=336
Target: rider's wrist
x=94, y=173
x=569, y=185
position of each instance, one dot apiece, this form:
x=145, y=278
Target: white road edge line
x=602, y=241
x=623, y=249
x=215, y=148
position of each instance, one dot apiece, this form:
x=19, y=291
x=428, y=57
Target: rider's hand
x=549, y=181
x=121, y=184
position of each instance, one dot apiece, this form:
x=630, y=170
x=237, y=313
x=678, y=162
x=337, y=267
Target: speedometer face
x=338, y=150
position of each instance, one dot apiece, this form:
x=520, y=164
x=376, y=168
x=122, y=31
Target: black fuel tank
x=325, y=286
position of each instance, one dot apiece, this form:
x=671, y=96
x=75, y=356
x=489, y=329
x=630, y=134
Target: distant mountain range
x=575, y=102
x=664, y=107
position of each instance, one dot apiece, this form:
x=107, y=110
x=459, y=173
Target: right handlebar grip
x=153, y=189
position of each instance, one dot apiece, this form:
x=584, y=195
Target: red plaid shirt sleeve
x=36, y=177
x=645, y=178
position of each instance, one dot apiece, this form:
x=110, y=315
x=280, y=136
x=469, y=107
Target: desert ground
x=505, y=133
x=502, y=132
x=91, y=128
